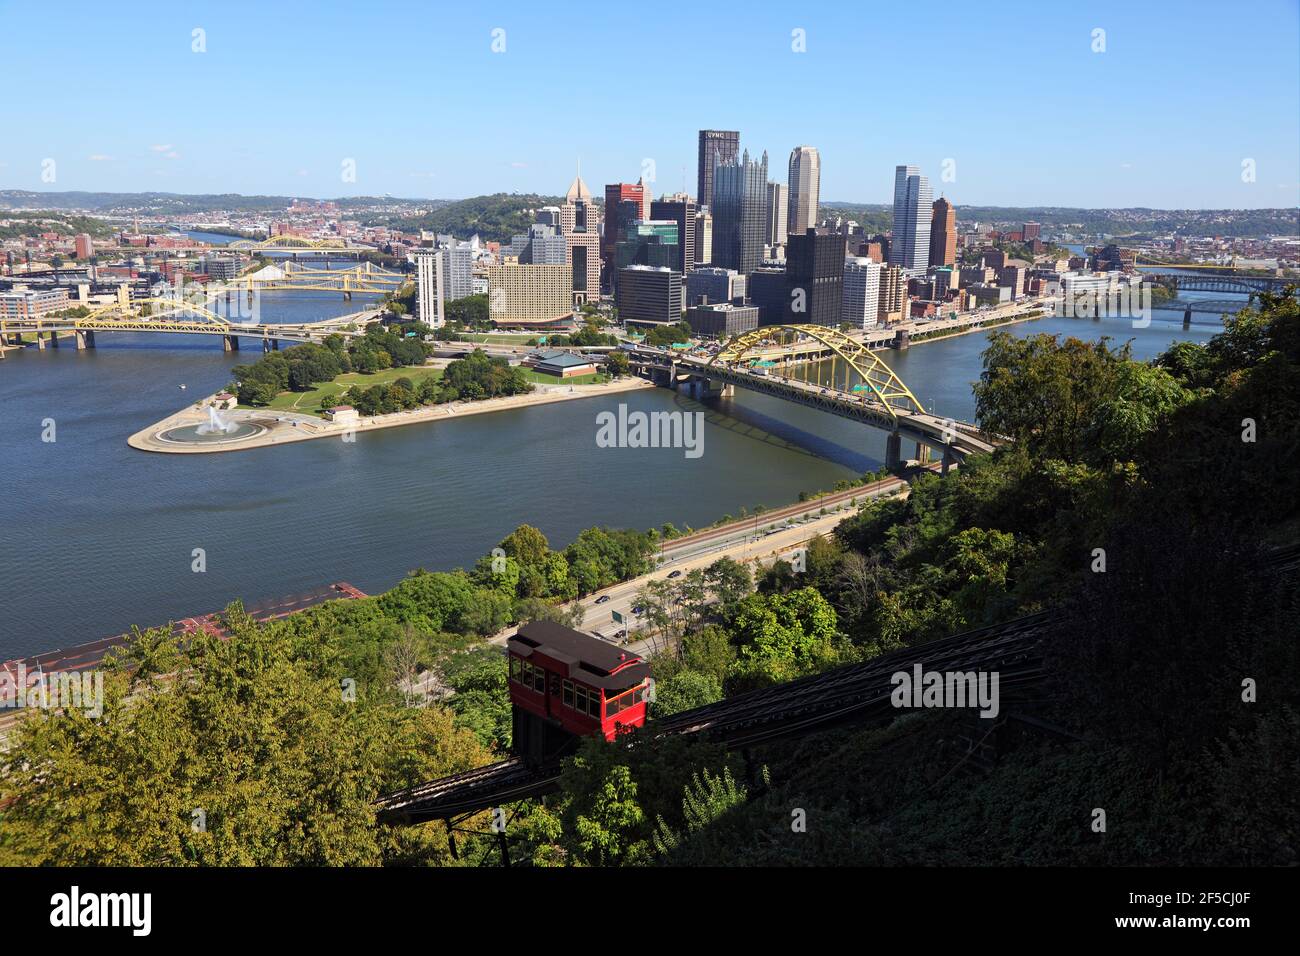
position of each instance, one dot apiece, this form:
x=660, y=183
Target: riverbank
x=276, y=427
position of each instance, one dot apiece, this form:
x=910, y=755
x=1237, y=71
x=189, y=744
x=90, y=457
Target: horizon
x=824, y=203
x=210, y=100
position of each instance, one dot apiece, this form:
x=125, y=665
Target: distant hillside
x=494, y=218
x=1135, y=222
x=178, y=203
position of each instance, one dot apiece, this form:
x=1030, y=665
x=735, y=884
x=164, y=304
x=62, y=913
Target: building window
x=515, y=668
x=593, y=704
x=568, y=693
x=580, y=698
x=539, y=680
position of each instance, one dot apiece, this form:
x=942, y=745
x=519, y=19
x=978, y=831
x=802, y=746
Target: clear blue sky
x=1012, y=92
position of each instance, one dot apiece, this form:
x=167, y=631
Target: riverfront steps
x=276, y=427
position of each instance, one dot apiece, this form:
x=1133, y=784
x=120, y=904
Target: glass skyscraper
x=740, y=213
x=909, y=248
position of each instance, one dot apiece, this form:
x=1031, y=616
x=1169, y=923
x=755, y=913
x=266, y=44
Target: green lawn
x=309, y=402
x=540, y=378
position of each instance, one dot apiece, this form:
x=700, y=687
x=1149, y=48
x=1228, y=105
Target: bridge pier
x=40, y=341
x=1187, y=317
x=894, y=452
x=85, y=340
x=54, y=340
x=901, y=339
x=948, y=459
x=270, y=345
x=230, y=343
x=922, y=453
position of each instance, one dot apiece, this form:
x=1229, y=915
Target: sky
x=1157, y=103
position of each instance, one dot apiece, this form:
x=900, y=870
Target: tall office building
x=580, y=226
x=893, y=295
x=703, y=237
x=861, y=307
x=943, y=233
x=648, y=242
x=739, y=201
x=649, y=296
x=716, y=146
x=814, y=266
x=429, y=284
x=712, y=285
x=457, y=269
x=623, y=205
x=680, y=208
x=804, y=185
x=909, y=248
x=774, y=220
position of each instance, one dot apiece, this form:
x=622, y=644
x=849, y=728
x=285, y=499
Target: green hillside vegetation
x=495, y=218
x=1182, y=470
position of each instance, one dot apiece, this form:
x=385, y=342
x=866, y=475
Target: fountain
x=215, y=424
x=215, y=431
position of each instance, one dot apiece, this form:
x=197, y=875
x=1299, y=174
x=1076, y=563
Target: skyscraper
x=814, y=266
x=910, y=246
x=681, y=209
x=580, y=226
x=617, y=219
x=774, y=224
x=861, y=306
x=430, y=282
x=943, y=233
x=805, y=184
x=716, y=146
x=739, y=201
x=703, y=237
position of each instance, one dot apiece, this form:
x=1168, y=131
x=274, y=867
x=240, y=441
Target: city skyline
x=290, y=134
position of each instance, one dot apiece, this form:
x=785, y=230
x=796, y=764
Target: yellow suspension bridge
x=173, y=317
x=363, y=279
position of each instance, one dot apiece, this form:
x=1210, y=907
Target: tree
x=616, y=363
x=783, y=636
x=685, y=691
x=256, y=742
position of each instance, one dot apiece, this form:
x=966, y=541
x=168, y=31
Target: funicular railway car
x=565, y=684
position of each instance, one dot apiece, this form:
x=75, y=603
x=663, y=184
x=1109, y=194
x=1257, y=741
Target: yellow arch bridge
x=826, y=369
x=173, y=318
x=363, y=279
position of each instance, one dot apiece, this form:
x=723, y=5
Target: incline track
x=856, y=692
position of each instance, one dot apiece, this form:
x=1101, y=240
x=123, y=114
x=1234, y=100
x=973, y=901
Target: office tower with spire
x=716, y=146
x=909, y=247
x=580, y=226
x=739, y=213
x=804, y=186
x=943, y=233
x=774, y=222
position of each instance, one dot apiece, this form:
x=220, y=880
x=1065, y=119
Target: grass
x=309, y=401
x=540, y=378
x=501, y=338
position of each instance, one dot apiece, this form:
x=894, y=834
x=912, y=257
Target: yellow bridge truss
x=849, y=358
x=288, y=242
x=364, y=278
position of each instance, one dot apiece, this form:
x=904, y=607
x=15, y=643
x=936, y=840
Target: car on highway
x=638, y=609
x=675, y=574
x=602, y=599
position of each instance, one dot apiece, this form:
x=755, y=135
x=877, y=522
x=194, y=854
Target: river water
x=96, y=536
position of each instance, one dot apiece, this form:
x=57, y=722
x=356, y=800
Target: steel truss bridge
x=852, y=382
x=174, y=318
x=1194, y=282
x=363, y=279
x=854, y=693
x=297, y=244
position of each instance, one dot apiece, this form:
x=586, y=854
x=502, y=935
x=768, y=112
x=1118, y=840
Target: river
x=96, y=536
